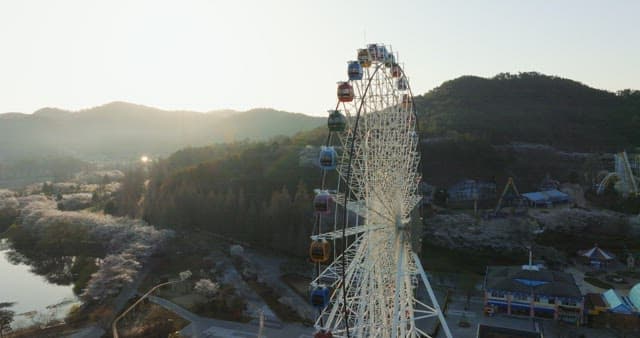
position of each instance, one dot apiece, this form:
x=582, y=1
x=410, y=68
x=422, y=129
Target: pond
x=37, y=301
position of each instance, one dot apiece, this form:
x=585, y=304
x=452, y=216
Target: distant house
x=466, y=192
x=596, y=257
x=545, y=198
x=534, y=292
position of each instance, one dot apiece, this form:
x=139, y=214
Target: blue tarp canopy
x=546, y=197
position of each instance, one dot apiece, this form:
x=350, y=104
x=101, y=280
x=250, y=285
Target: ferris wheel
x=369, y=282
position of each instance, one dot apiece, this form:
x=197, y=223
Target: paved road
x=255, y=303
x=201, y=327
x=268, y=268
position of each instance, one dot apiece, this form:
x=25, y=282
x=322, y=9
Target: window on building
x=519, y=296
x=551, y=300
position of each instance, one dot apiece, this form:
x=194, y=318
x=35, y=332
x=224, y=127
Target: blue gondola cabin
x=354, y=70
x=328, y=158
x=373, y=51
x=383, y=54
x=320, y=297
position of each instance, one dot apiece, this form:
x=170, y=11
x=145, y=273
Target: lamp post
x=183, y=276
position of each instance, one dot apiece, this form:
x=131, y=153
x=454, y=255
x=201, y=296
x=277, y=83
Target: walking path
x=268, y=268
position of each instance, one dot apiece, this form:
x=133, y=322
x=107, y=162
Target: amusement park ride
x=369, y=282
x=624, y=174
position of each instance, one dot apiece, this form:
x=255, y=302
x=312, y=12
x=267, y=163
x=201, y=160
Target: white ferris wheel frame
x=378, y=284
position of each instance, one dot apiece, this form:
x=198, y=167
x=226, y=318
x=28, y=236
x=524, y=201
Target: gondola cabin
x=402, y=84
x=406, y=102
x=364, y=58
x=345, y=92
x=383, y=54
x=373, y=51
x=336, y=121
x=328, y=158
x=319, y=251
x=322, y=203
x=323, y=334
x=390, y=60
x=396, y=71
x=320, y=297
x=354, y=70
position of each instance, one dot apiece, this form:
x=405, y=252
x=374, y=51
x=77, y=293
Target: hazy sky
x=205, y=55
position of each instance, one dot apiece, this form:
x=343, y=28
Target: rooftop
x=597, y=253
x=543, y=282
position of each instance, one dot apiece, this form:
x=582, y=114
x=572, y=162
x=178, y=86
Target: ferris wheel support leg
x=434, y=301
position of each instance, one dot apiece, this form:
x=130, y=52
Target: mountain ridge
x=121, y=130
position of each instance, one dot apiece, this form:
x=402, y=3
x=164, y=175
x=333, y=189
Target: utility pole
x=261, y=327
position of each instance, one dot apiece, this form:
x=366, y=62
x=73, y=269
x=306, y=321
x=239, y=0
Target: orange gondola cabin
x=319, y=251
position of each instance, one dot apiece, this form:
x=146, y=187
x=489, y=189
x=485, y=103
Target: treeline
x=254, y=192
x=28, y=170
x=258, y=191
x=532, y=107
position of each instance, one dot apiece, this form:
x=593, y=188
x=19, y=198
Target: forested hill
x=261, y=192
x=532, y=107
x=121, y=130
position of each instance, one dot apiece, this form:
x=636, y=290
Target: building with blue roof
x=610, y=309
x=546, y=198
x=534, y=292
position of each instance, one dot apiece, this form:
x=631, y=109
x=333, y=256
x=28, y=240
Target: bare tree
x=6, y=317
